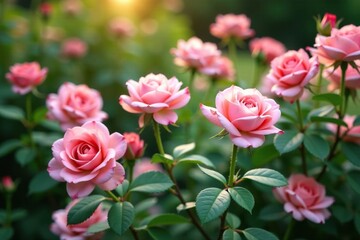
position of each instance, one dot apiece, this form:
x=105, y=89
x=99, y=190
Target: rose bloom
x=135, y=146
x=145, y=165
x=72, y=7
x=352, y=77
x=86, y=157
x=232, y=26
x=304, y=198
x=291, y=72
x=350, y=133
x=194, y=53
x=74, y=105
x=267, y=47
x=73, y=48
x=219, y=67
x=342, y=45
x=156, y=95
x=76, y=231
x=245, y=114
x=121, y=27
x=26, y=76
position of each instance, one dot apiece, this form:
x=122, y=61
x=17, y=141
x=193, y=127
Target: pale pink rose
x=121, y=27
x=232, y=26
x=74, y=105
x=219, y=67
x=291, y=72
x=72, y=7
x=245, y=114
x=26, y=76
x=135, y=146
x=350, y=133
x=194, y=53
x=73, y=48
x=342, y=45
x=86, y=157
x=267, y=47
x=304, y=198
x=352, y=77
x=76, y=231
x=145, y=165
x=156, y=95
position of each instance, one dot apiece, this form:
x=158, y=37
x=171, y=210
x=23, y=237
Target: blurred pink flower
x=145, y=165
x=66, y=231
x=352, y=77
x=232, y=26
x=121, y=27
x=86, y=157
x=291, y=72
x=73, y=48
x=245, y=114
x=26, y=76
x=135, y=146
x=194, y=53
x=304, y=198
x=266, y=47
x=8, y=184
x=72, y=7
x=219, y=67
x=350, y=133
x=45, y=9
x=74, y=105
x=156, y=95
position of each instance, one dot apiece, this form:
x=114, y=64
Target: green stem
x=232, y=166
x=2, y=11
x=319, y=85
x=258, y=71
x=233, y=56
x=29, y=122
x=131, y=164
x=343, y=104
x=158, y=137
x=302, y=129
x=300, y=117
x=289, y=229
x=8, y=207
x=113, y=196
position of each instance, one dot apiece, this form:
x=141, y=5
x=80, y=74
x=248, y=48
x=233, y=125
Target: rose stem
x=289, y=229
x=301, y=128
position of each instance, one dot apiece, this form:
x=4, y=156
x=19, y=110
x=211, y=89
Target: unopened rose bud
x=8, y=184
x=327, y=23
x=135, y=146
x=45, y=10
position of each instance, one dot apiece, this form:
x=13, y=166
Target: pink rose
x=26, y=76
x=145, y=165
x=245, y=114
x=76, y=231
x=121, y=27
x=73, y=48
x=291, y=72
x=342, y=45
x=72, y=7
x=86, y=157
x=74, y=105
x=352, y=77
x=350, y=133
x=219, y=67
x=156, y=95
x=135, y=146
x=266, y=47
x=194, y=53
x=304, y=198
x=231, y=25
x=8, y=184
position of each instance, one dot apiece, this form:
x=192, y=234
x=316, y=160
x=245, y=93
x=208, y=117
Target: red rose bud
x=8, y=183
x=45, y=9
x=327, y=23
x=135, y=146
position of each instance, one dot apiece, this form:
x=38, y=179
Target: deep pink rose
x=267, y=47
x=8, y=184
x=86, y=157
x=231, y=25
x=194, y=53
x=135, y=146
x=26, y=76
x=342, y=45
x=352, y=77
x=291, y=72
x=155, y=94
x=76, y=231
x=350, y=133
x=304, y=198
x=219, y=67
x=73, y=48
x=145, y=165
x=245, y=114
x=74, y=105
x=121, y=27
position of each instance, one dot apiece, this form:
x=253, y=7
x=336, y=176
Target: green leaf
x=84, y=209
x=6, y=233
x=317, y=146
x=320, y=112
x=167, y=219
x=211, y=203
x=272, y=212
x=122, y=188
x=332, y=98
x=353, y=178
x=188, y=205
x=12, y=112
x=258, y=234
x=328, y=120
x=266, y=176
x=351, y=152
x=25, y=155
x=243, y=197
x=159, y=234
x=40, y=114
x=213, y=174
x=41, y=182
x=182, y=149
x=18, y=214
x=120, y=217
x=151, y=182
x=288, y=141
x=357, y=222
x=264, y=154
x=341, y=213
x=233, y=220
x=230, y=234
x=8, y=146
x=196, y=159
x=46, y=139
x=160, y=158
x=98, y=227
x=145, y=205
